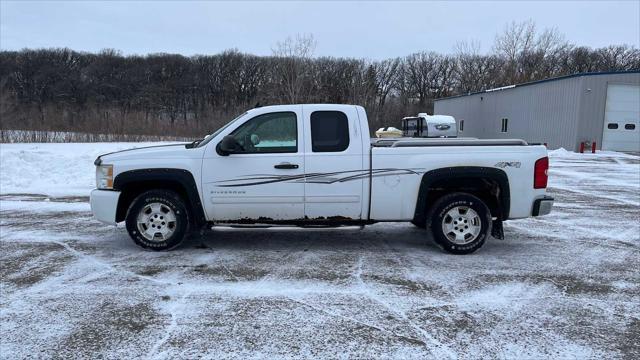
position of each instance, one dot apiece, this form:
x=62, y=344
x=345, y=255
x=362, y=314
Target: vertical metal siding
x=561, y=113
x=595, y=101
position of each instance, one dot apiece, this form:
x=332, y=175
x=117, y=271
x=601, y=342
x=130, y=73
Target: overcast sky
x=374, y=30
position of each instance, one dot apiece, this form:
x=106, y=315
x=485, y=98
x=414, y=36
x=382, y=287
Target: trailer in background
x=429, y=126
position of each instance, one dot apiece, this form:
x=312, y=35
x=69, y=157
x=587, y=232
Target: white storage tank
x=388, y=132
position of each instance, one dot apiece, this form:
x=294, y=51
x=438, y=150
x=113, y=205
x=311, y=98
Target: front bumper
x=542, y=206
x=104, y=204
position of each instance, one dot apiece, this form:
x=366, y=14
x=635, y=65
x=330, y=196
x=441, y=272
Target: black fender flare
x=183, y=178
x=464, y=172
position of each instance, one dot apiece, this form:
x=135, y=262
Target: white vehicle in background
x=315, y=165
x=429, y=126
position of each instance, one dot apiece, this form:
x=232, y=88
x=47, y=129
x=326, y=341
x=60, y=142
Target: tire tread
x=182, y=214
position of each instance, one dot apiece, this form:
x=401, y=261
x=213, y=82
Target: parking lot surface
x=565, y=285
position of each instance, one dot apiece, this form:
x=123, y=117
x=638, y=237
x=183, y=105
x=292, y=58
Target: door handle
x=286, y=166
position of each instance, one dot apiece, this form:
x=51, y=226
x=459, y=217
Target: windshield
x=211, y=136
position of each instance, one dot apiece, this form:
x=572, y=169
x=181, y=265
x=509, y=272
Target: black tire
x=420, y=224
x=439, y=214
x=169, y=201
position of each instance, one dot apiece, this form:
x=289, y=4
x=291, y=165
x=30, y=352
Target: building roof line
x=541, y=81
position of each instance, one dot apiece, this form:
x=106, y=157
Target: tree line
x=174, y=95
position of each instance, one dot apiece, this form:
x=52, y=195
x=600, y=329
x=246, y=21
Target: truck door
x=264, y=179
x=335, y=168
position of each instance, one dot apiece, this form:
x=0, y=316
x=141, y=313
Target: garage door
x=622, y=118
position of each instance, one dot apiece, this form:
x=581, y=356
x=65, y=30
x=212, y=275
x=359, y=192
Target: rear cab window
x=329, y=131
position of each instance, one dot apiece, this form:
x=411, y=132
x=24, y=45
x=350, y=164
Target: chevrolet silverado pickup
x=315, y=165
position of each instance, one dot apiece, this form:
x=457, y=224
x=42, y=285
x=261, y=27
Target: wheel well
x=486, y=190
x=488, y=184
x=130, y=191
x=134, y=182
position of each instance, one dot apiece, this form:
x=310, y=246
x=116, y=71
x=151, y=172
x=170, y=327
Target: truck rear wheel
x=157, y=220
x=460, y=222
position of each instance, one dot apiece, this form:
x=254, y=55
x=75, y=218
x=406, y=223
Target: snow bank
x=562, y=152
x=64, y=169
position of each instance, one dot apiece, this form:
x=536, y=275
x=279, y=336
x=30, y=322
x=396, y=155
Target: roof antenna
x=257, y=105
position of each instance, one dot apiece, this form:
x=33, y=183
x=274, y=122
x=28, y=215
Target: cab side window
x=268, y=133
x=329, y=131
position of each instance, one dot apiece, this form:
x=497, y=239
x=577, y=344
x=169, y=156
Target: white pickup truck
x=315, y=165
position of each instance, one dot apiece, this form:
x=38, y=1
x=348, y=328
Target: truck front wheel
x=460, y=222
x=157, y=220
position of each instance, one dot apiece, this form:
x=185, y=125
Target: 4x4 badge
x=504, y=164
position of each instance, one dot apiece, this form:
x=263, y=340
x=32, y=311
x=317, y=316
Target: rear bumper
x=542, y=206
x=104, y=204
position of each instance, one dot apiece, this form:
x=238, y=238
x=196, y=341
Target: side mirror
x=228, y=145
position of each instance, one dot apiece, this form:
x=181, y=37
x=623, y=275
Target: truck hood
x=148, y=152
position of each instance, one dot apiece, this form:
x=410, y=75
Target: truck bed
x=409, y=160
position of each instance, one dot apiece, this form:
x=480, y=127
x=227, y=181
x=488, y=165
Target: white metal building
x=562, y=112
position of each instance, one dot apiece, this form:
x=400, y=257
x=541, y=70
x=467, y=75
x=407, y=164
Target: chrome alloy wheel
x=461, y=225
x=156, y=222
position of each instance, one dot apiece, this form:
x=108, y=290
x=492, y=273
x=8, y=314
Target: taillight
x=540, y=175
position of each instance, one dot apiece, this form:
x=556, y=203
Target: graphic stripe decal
x=315, y=178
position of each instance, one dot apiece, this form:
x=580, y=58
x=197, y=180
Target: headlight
x=104, y=176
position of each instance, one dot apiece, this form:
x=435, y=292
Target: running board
x=266, y=226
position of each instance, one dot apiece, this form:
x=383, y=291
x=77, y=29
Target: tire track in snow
x=174, y=310
x=107, y=265
x=359, y=322
x=438, y=349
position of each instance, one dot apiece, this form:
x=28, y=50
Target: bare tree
x=471, y=69
x=529, y=55
x=420, y=71
x=619, y=57
x=293, y=64
x=516, y=39
x=386, y=72
x=166, y=94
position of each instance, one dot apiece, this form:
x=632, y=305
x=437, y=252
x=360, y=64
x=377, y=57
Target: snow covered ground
x=62, y=169
x=562, y=286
